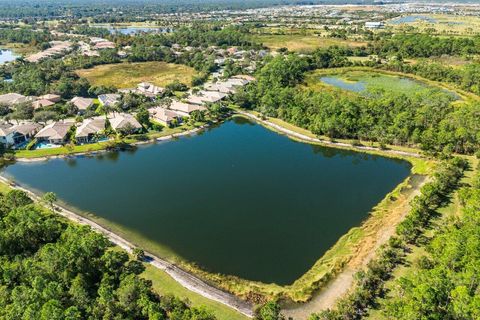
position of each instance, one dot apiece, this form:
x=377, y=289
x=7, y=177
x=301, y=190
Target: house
x=54, y=133
x=164, y=116
x=124, y=121
x=51, y=97
x=82, y=104
x=13, y=135
x=184, y=109
x=56, y=48
x=145, y=88
x=220, y=87
x=104, y=45
x=148, y=89
x=11, y=99
x=109, y=99
x=90, y=129
x=203, y=97
x=42, y=103
x=6, y=134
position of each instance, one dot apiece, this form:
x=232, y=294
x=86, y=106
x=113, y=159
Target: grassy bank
x=99, y=146
x=164, y=284
x=128, y=75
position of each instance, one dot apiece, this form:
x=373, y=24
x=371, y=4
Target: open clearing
x=302, y=43
x=128, y=75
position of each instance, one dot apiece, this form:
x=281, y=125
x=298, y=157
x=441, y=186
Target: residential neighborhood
x=96, y=128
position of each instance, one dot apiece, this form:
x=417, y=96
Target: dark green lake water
x=237, y=199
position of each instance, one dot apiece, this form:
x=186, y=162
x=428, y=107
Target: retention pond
x=236, y=199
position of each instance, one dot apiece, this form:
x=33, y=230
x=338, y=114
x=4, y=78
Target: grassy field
x=128, y=75
x=302, y=43
x=443, y=24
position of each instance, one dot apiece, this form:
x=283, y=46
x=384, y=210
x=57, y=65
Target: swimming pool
x=46, y=145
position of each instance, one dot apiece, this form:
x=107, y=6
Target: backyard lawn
x=128, y=75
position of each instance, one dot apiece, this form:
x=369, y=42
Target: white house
x=122, y=121
x=12, y=135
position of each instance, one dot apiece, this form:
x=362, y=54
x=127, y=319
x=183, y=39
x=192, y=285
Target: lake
x=236, y=199
x=7, y=56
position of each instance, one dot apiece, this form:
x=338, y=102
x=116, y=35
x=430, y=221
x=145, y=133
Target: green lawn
x=128, y=75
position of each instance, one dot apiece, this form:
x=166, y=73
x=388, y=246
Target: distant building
x=374, y=25
x=42, y=103
x=51, y=97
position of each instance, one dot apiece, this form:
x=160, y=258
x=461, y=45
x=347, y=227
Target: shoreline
x=83, y=153
x=184, y=278
x=184, y=274
x=326, y=143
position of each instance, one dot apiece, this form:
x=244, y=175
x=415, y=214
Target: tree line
x=370, y=283
x=445, y=284
x=51, y=269
x=428, y=120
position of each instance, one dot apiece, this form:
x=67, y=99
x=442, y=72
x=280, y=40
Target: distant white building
x=374, y=25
